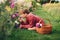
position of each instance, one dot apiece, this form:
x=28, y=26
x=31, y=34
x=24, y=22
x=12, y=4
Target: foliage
x=44, y=1
x=7, y=31
x=53, y=9
x=6, y=24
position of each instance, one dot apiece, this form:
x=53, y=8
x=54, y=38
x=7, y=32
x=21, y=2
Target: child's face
x=24, y=15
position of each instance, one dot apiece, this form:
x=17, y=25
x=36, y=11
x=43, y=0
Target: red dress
x=31, y=21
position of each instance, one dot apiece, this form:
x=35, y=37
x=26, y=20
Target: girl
x=31, y=20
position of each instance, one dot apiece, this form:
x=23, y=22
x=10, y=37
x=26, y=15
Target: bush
x=44, y=1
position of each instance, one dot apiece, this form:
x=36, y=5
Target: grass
x=23, y=34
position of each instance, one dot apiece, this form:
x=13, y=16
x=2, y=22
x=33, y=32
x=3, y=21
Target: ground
x=23, y=34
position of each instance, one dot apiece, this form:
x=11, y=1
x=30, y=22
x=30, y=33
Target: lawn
x=52, y=14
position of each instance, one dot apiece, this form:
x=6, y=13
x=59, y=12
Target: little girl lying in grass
x=32, y=20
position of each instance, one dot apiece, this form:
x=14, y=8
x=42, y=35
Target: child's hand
x=40, y=21
x=20, y=19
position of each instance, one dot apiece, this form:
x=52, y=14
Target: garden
x=46, y=10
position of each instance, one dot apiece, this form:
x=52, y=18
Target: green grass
x=23, y=34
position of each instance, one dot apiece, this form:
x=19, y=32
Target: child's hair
x=26, y=11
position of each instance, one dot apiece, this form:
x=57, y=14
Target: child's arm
x=42, y=22
x=22, y=21
x=29, y=25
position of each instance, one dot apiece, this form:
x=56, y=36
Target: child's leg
x=33, y=28
x=25, y=26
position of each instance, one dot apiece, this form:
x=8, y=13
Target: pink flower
x=16, y=14
x=38, y=25
x=13, y=16
x=12, y=5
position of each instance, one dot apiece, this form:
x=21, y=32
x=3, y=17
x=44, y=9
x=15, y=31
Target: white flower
x=41, y=25
x=38, y=4
x=17, y=22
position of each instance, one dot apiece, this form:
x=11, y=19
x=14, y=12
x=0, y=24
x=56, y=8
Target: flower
x=16, y=22
x=16, y=14
x=12, y=5
x=13, y=16
x=8, y=8
x=38, y=25
x=41, y=25
x=37, y=4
